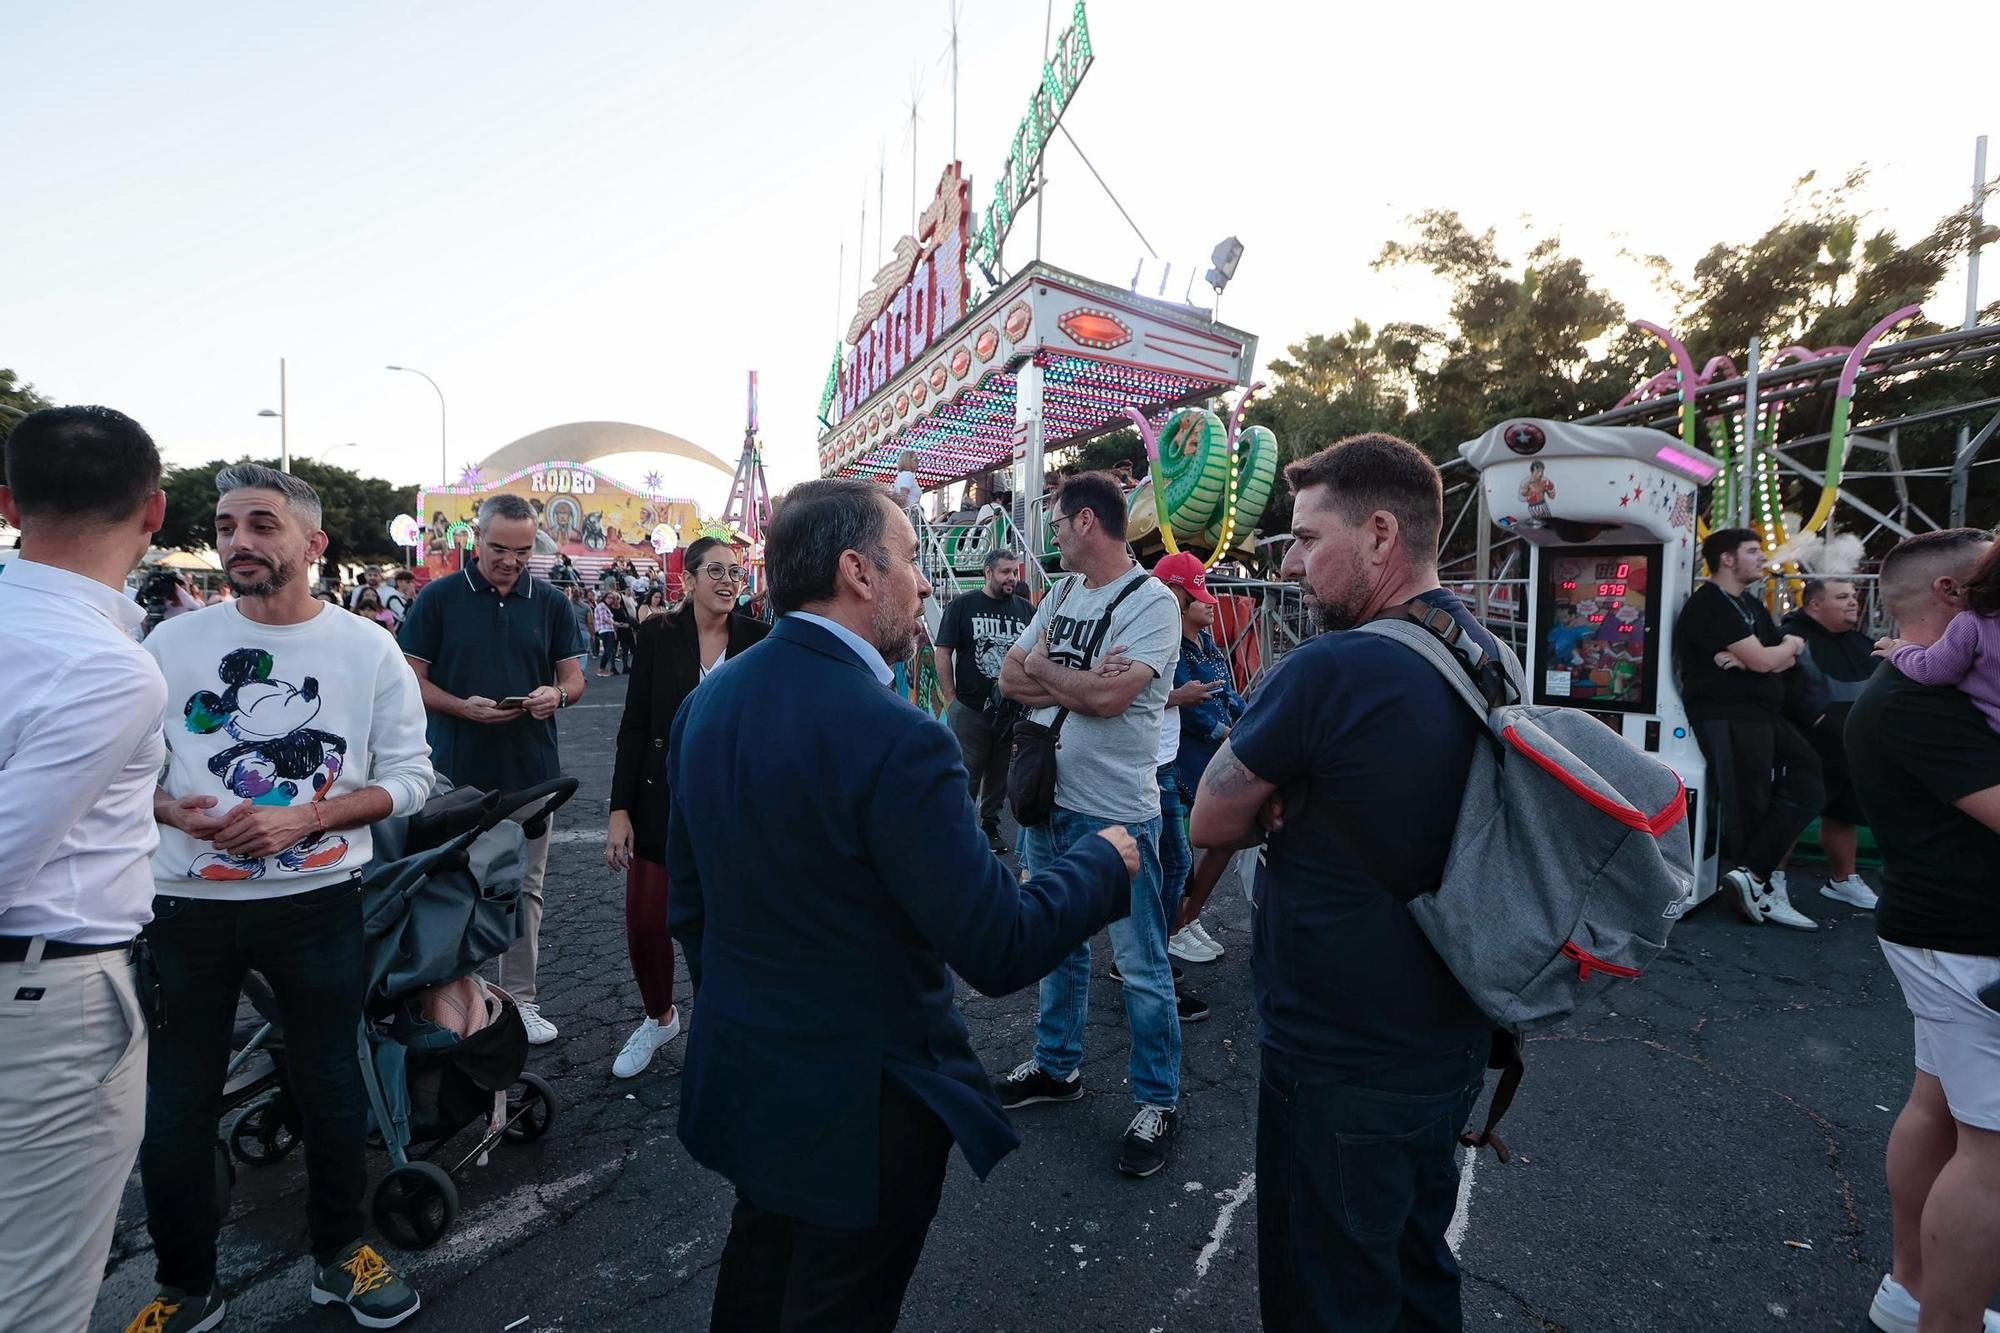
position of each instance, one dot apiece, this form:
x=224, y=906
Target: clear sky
x=611, y=211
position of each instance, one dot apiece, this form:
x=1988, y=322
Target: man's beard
x=1341, y=608
x=275, y=577
x=894, y=635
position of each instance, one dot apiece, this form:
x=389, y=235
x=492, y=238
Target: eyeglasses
x=721, y=573
x=1059, y=520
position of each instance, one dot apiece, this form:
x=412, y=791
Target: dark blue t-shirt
x=1370, y=750
x=479, y=642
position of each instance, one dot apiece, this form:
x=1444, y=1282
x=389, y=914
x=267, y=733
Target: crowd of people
x=176, y=812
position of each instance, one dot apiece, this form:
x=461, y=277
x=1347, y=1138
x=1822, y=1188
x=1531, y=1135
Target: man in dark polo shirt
x=476, y=639
x=1928, y=770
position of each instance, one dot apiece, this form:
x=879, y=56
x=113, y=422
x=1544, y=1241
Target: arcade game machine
x=1608, y=515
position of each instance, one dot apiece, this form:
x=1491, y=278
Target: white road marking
x=576, y=835
x=1462, y=1214
x=1232, y=1201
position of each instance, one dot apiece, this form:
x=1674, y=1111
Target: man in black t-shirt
x=1832, y=671
x=1353, y=755
x=1765, y=775
x=977, y=630
x=1928, y=770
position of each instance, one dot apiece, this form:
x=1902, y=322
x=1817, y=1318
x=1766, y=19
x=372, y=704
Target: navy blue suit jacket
x=828, y=874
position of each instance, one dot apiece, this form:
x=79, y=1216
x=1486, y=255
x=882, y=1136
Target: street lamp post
x=444, y=467
x=336, y=449
x=284, y=434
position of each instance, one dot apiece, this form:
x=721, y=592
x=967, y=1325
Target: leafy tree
x=355, y=510
x=1538, y=344
x=16, y=401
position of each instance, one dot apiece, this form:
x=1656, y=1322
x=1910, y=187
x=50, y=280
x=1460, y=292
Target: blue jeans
x=1175, y=857
x=1138, y=943
x=1355, y=1190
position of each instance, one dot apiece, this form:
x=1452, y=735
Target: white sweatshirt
x=283, y=715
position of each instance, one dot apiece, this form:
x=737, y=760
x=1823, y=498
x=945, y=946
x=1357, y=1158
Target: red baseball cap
x=1183, y=569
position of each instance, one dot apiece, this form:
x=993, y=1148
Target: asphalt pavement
x=1701, y=1149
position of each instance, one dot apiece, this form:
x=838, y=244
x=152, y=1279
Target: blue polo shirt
x=480, y=642
x=1370, y=749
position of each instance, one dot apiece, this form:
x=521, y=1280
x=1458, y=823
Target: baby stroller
x=438, y=900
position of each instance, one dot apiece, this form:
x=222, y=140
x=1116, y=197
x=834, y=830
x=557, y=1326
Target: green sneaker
x=362, y=1280
x=177, y=1311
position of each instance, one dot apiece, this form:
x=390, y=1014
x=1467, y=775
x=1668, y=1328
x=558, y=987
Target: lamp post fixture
x=284, y=434
x=444, y=467
x=351, y=444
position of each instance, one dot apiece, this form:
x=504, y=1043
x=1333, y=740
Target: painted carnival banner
x=579, y=512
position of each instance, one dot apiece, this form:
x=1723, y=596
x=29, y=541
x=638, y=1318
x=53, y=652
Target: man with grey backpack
x=1407, y=910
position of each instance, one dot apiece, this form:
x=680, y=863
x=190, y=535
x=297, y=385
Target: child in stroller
x=443, y=1049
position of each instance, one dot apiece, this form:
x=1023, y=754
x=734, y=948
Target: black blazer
x=666, y=666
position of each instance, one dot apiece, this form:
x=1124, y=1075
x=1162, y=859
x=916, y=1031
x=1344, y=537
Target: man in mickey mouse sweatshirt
x=291, y=726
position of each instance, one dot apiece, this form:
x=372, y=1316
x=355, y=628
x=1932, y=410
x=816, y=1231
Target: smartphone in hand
x=513, y=701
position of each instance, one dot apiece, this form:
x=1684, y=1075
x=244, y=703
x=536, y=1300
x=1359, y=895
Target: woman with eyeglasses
x=677, y=649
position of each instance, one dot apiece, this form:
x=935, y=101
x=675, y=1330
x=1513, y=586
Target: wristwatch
x=562, y=697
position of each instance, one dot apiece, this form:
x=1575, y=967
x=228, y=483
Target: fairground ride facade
x=983, y=389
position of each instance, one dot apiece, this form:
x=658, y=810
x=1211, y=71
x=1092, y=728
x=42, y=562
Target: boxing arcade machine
x=1608, y=515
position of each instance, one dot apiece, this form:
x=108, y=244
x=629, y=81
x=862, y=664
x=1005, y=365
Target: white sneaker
x=1200, y=932
x=1778, y=881
x=1745, y=894
x=1184, y=946
x=1853, y=891
x=540, y=1031
x=1778, y=910
x=645, y=1041
x=1894, y=1310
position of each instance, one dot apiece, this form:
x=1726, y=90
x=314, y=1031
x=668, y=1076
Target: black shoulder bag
x=1031, y=770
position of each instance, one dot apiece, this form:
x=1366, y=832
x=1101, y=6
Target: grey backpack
x=1571, y=859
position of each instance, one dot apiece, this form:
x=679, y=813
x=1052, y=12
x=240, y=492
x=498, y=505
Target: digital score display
x=1596, y=627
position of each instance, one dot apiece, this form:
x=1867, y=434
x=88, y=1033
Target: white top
x=278, y=715
x=1170, y=730
x=80, y=754
x=715, y=665
x=908, y=492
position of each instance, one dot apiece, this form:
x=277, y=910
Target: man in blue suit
x=829, y=874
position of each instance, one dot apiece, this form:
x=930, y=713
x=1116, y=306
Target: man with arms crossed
x=1353, y=756
x=1928, y=770
x=1766, y=776
x=1105, y=776
x=977, y=630
x=476, y=639
x=291, y=726
x=80, y=752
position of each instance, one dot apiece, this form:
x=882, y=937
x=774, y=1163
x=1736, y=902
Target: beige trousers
x=517, y=965
x=72, y=1110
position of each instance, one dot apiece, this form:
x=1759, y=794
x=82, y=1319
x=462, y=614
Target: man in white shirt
x=79, y=753
x=290, y=728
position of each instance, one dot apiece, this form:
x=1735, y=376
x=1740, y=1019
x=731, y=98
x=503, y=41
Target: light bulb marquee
x=1101, y=350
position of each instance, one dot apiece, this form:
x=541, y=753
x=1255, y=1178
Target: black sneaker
x=1147, y=1138
x=1179, y=975
x=1193, y=1008
x=177, y=1311
x=1027, y=1084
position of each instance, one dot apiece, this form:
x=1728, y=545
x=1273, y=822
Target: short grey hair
x=504, y=506
x=999, y=553
x=816, y=523
x=299, y=495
